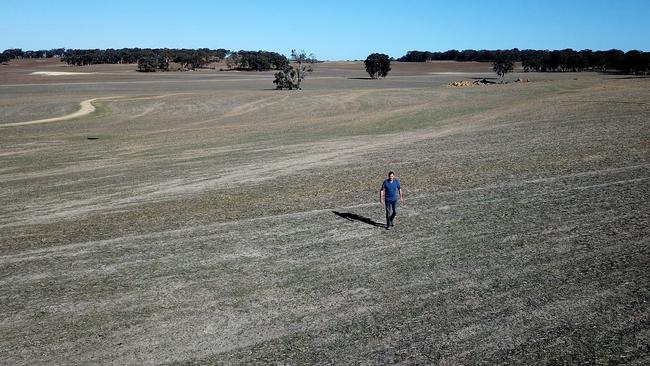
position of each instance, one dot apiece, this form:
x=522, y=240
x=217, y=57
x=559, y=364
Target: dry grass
x=198, y=227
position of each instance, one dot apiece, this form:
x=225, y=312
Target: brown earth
x=205, y=218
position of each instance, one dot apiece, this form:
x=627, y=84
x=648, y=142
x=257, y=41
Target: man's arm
x=401, y=198
x=381, y=195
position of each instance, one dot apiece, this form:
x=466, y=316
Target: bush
x=290, y=77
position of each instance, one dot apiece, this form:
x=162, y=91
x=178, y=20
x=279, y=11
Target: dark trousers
x=391, y=212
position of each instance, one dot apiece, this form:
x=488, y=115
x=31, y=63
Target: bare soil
x=205, y=218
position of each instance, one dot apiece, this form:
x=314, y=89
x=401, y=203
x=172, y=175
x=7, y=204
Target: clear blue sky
x=333, y=30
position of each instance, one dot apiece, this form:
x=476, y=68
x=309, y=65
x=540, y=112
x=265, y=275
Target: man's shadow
x=354, y=217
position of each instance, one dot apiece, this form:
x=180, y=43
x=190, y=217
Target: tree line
x=256, y=60
x=631, y=62
x=153, y=59
x=81, y=57
x=188, y=58
x=13, y=53
x=240, y=60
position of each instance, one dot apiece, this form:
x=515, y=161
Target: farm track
x=86, y=107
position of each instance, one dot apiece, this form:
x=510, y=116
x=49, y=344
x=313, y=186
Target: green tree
x=291, y=76
x=13, y=53
x=503, y=64
x=163, y=63
x=377, y=65
x=152, y=64
x=232, y=61
x=147, y=64
x=190, y=59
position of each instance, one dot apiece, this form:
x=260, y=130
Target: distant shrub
x=290, y=77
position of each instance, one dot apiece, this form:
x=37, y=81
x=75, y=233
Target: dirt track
x=85, y=107
x=200, y=227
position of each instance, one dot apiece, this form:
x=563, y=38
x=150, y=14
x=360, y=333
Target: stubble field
x=204, y=218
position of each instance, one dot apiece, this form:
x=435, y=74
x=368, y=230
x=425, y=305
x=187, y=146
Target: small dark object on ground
x=93, y=138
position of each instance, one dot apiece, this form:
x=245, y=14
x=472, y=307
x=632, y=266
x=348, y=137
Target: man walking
x=390, y=192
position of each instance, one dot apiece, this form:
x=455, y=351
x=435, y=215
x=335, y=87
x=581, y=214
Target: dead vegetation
x=482, y=82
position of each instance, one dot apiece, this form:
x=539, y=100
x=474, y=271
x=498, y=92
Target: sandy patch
x=61, y=73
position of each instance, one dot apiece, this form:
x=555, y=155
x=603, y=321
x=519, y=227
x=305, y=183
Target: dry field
x=204, y=218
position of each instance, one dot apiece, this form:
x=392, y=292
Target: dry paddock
x=204, y=218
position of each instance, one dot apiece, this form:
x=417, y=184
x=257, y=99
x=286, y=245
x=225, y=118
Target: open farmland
x=203, y=217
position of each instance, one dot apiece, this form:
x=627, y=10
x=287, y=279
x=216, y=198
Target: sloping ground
x=204, y=229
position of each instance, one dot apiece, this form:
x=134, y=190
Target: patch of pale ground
x=60, y=73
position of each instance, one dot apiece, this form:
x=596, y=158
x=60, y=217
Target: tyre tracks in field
x=444, y=200
x=255, y=105
x=86, y=107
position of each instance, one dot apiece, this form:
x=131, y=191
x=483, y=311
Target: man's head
x=391, y=176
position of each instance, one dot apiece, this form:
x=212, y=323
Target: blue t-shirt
x=390, y=189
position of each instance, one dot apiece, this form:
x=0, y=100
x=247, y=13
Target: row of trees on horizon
x=544, y=60
x=152, y=59
x=240, y=60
